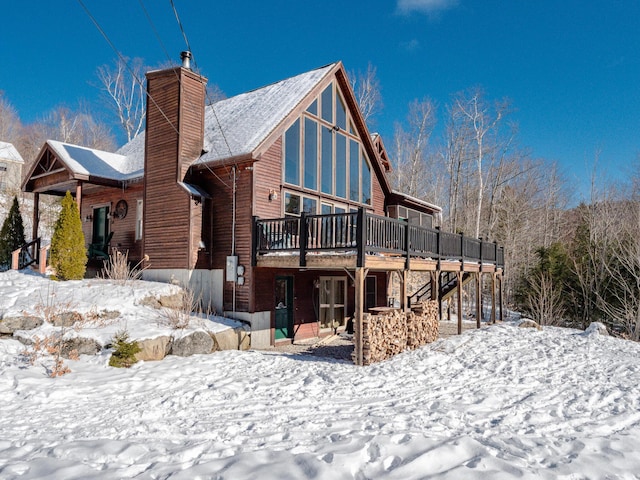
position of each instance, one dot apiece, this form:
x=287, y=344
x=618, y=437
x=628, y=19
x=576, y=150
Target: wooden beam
x=79, y=196
x=459, y=275
x=500, y=296
x=493, y=298
x=358, y=313
x=36, y=215
x=404, y=299
x=478, y=298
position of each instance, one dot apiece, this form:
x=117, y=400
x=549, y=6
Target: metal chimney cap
x=186, y=59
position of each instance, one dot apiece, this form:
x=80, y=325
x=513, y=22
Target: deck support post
x=404, y=300
x=459, y=275
x=500, y=296
x=493, y=297
x=358, y=313
x=478, y=298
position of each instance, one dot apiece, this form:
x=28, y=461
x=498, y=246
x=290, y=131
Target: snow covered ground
x=500, y=402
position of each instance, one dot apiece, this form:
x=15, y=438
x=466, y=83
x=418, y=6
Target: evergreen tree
x=11, y=235
x=68, y=253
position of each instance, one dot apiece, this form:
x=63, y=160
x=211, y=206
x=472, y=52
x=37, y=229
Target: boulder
x=152, y=349
x=596, y=328
x=198, y=342
x=528, y=323
x=81, y=346
x=174, y=301
x=65, y=319
x=232, y=339
x=8, y=325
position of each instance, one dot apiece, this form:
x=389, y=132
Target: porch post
x=493, y=297
x=459, y=275
x=478, y=298
x=79, y=197
x=36, y=215
x=358, y=312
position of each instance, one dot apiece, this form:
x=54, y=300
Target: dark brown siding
x=268, y=176
x=173, y=140
x=124, y=229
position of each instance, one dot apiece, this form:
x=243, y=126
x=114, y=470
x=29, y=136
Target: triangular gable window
x=321, y=155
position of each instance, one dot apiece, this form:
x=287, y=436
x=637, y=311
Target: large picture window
x=321, y=155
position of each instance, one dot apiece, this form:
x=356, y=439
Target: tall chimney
x=186, y=59
x=174, y=140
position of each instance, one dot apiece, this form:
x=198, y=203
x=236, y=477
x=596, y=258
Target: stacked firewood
x=422, y=324
x=384, y=336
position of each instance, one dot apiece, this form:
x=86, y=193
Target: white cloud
x=411, y=45
x=425, y=6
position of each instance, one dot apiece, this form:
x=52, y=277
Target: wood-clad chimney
x=174, y=140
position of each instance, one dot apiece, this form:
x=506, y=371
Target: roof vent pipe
x=186, y=59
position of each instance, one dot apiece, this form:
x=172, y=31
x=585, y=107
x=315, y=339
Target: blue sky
x=571, y=68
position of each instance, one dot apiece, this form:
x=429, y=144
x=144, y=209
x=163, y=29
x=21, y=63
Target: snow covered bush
x=68, y=252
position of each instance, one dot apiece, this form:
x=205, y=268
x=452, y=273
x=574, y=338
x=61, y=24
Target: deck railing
x=364, y=233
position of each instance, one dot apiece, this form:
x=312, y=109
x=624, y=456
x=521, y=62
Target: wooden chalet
x=273, y=205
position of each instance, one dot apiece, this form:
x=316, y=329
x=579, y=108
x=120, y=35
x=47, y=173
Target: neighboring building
x=10, y=169
x=266, y=203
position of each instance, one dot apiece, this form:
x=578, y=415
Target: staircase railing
x=28, y=254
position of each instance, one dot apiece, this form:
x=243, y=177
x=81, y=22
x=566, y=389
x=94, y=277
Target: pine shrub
x=125, y=351
x=68, y=252
x=11, y=235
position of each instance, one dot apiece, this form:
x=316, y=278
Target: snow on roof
x=233, y=127
x=417, y=200
x=9, y=152
x=236, y=126
x=98, y=163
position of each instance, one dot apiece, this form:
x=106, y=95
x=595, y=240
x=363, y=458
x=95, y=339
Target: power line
x=186, y=41
x=126, y=64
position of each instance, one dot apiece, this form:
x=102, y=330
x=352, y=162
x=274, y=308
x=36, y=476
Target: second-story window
x=322, y=156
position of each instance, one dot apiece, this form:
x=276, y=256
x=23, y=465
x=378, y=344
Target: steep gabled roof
x=237, y=126
x=9, y=152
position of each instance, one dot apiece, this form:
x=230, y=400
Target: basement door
x=333, y=301
x=284, y=307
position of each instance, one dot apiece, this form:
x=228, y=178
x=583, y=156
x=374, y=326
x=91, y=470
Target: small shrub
x=125, y=351
x=118, y=269
x=68, y=252
x=180, y=316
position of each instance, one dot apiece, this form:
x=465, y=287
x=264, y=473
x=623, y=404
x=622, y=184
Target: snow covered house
x=11, y=164
x=273, y=205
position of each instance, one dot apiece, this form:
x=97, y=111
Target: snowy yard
x=500, y=402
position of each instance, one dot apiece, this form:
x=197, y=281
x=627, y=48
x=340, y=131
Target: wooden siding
x=220, y=184
x=124, y=229
x=173, y=134
x=306, y=296
x=267, y=177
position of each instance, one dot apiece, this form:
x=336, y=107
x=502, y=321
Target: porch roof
x=61, y=165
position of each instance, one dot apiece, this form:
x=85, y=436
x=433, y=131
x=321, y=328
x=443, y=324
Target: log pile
x=384, y=336
x=422, y=324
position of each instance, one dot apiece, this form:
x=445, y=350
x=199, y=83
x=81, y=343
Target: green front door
x=284, y=307
x=100, y=225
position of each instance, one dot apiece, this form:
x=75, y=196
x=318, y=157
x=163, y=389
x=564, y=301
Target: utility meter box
x=232, y=268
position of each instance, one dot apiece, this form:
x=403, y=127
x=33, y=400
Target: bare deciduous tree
x=544, y=300
x=123, y=85
x=367, y=90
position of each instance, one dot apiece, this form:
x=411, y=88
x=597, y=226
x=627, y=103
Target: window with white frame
x=139, y=220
